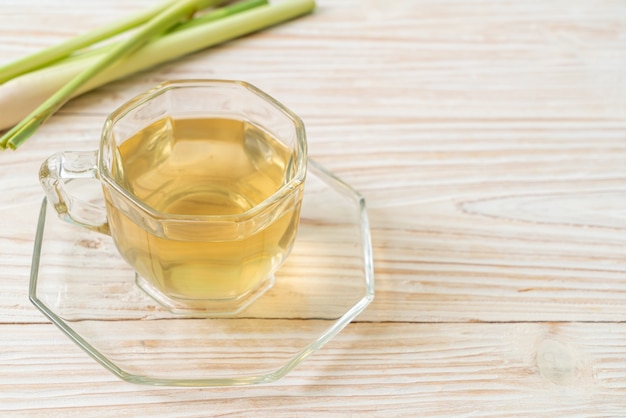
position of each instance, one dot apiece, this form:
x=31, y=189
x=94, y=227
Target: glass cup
x=202, y=182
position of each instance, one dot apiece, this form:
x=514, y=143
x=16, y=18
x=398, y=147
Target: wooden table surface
x=489, y=140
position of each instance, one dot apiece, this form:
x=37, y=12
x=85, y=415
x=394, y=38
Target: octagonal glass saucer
x=80, y=282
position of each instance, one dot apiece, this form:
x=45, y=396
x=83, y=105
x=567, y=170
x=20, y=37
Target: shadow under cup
x=202, y=182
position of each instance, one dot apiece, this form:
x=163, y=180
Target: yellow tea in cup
x=203, y=167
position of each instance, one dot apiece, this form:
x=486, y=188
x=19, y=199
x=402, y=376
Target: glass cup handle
x=56, y=175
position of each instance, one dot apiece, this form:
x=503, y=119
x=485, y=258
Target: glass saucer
x=79, y=281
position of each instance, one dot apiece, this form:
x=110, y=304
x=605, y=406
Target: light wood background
x=489, y=139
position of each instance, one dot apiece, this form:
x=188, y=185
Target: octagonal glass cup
x=202, y=183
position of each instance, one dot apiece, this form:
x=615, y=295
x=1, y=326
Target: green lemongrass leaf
x=53, y=54
x=210, y=16
x=177, y=11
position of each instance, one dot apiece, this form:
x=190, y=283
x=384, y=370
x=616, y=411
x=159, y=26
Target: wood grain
x=488, y=139
x=430, y=369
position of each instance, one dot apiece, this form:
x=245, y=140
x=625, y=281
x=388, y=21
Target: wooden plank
x=543, y=369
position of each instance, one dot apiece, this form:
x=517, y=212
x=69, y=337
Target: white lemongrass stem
x=172, y=15
x=21, y=95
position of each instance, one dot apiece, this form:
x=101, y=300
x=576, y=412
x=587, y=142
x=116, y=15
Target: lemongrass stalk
x=50, y=55
x=172, y=15
x=20, y=95
x=210, y=16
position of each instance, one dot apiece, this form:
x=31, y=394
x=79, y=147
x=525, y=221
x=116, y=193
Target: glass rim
x=301, y=153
